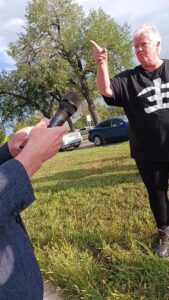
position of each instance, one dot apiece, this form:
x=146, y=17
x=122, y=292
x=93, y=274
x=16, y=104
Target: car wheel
x=77, y=146
x=97, y=140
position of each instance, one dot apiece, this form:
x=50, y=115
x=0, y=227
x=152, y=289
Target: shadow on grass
x=86, y=178
x=112, y=159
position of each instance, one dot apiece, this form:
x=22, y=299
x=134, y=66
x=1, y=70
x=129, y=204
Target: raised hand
x=99, y=53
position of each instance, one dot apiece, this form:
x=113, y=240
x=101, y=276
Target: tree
x=31, y=121
x=2, y=136
x=106, y=112
x=54, y=56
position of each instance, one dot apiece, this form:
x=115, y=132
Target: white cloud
x=12, y=19
x=121, y=8
x=9, y=29
x=5, y=61
x=136, y=13
x=91, y=2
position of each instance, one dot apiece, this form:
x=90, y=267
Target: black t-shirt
x=144, y=95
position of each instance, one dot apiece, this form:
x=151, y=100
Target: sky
x=12, y=19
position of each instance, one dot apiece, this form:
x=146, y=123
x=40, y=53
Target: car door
x=105, y=130
x=119, y=130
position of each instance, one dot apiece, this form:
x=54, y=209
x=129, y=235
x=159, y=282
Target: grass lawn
x=92, y=228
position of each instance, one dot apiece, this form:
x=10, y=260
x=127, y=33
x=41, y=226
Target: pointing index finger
x=95, y=45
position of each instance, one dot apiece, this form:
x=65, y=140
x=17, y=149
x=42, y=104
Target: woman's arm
x=102, y=77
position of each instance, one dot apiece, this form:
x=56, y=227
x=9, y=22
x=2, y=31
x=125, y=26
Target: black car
x=115, y=129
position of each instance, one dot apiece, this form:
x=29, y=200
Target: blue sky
x=12, y=19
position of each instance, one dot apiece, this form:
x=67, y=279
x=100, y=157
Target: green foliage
x=112, y=36
x=80, y=123
x=2, y=136
x=54, y=56
x=30, y=121
x=106, y=112
x=92, y=228
x=6, y=139
x=103, y=110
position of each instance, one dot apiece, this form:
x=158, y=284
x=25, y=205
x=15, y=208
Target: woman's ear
x=158, y=47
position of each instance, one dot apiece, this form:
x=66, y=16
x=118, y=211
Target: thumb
x=20, y=137
x=16, y=141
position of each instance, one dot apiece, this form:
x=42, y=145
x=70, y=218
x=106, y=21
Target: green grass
x=92, y=228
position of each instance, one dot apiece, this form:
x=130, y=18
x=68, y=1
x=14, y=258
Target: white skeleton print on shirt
x=157, y=97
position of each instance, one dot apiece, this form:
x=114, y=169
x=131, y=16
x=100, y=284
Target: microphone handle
x=59, y=118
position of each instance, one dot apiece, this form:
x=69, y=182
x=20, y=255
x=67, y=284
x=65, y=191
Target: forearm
x=30, y=161
x=103, y=80
x=16, y=191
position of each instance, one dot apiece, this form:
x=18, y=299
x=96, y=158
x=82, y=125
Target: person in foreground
x=20, y=277
x=143, y=92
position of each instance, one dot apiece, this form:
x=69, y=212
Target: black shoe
x=161, y=248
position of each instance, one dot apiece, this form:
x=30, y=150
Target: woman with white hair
x=143, y=92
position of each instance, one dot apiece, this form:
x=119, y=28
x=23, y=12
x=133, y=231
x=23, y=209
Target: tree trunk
x=90, y=102
x=93, y=111
x=71, y=125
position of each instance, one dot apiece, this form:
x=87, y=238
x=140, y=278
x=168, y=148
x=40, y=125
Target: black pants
x=155, y=178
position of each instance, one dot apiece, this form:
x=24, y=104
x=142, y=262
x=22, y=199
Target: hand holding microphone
x=68, y=105
x=42, y=144
x=44, y=139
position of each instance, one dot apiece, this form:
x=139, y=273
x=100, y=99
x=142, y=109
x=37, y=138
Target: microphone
x=68, y=105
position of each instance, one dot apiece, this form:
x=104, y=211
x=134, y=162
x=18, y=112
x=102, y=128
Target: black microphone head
x=71, y=102
x=68, y=105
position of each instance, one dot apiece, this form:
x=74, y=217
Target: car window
x=116, y=123
x=105, y=124
x=125, y=119
x=110, y=123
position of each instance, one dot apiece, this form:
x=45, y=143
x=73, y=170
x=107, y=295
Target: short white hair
x=151, y=31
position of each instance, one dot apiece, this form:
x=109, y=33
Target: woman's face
x=146, y=50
